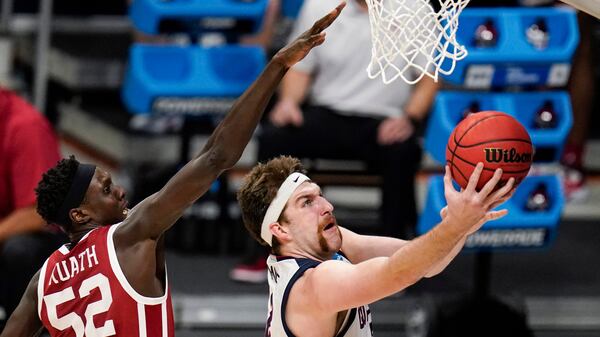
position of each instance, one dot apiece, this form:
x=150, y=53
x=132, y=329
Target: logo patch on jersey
x=274, y=274
x=338, y=257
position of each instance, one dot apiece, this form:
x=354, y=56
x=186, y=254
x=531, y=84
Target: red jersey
x=83, y=292
x=28, y=147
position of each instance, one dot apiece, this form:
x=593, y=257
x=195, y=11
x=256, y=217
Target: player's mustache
x=326, y=221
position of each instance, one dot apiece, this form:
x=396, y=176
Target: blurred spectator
x=329, y=108
x=28, y=147
x=264, y=38
x=582, y=89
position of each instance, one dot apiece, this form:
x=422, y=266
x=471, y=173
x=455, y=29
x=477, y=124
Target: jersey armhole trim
x=347, y=322
x=40, y=288
x=116, y=268
x=305, y=264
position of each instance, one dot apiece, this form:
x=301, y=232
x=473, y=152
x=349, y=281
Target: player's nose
x=121, y=193
x=327, y=207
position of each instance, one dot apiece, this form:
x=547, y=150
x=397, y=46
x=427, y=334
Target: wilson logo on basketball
x=496, y=155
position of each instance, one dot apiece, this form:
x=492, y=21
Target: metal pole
x=41, y=59
x=7, y=9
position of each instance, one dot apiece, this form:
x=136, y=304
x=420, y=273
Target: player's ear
x=79, y=215
x=280, y=232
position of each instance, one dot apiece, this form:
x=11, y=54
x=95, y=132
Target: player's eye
x=308, y=202
x=106, y=189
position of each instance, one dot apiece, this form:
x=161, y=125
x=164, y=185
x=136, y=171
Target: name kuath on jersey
x=283, y=273
x=82, y=292
x=65, y=270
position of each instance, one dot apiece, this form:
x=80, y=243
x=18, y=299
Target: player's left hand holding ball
x=476, y=208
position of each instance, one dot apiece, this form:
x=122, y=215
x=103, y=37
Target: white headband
x=276, y=207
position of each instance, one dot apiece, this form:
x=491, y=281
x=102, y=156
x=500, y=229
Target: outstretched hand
x=471, y=209
x=299, y=48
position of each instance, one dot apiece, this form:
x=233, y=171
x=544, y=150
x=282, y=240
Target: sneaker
x=255, y=272
x=574, y=184
x=573, y=177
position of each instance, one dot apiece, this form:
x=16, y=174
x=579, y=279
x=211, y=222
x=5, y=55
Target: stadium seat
x=449, y=107
x=186, y=74
x=514, y=60
x=520, y=229
x=197, y=16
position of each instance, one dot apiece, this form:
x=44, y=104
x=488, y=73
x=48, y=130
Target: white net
x=411, y=40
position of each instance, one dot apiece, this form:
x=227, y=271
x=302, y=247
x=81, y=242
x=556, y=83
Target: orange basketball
x=494, y=138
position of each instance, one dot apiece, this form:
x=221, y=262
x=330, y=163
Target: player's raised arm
x=353, y=285
x=359, y=248
x=226, y=144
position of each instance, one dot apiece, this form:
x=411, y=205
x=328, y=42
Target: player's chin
x=334, y=238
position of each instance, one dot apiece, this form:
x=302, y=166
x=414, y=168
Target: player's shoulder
x=308, y=289
x=326, y=268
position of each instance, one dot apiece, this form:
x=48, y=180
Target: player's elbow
x=432, y=273
x=219, y=159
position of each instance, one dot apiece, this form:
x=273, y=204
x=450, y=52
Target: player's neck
x=302, y=254
x=76, y=234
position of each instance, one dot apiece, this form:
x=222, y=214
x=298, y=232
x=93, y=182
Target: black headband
x=81, y=181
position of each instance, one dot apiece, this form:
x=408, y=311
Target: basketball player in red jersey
x=111, y=280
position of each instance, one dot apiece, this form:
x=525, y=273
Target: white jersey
x=283, y=274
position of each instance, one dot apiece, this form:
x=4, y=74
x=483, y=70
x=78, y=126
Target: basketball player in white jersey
x=111, y=279
x=322, y=276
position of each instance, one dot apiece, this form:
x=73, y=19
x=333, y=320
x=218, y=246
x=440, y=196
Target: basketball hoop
x=411, y=40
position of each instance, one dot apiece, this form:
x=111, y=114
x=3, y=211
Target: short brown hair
x=260, y=188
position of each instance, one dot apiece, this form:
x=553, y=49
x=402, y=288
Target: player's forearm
x=20, y=221
x=231, y=136
x=440, y=266
x=419, y=256
x=222, y=151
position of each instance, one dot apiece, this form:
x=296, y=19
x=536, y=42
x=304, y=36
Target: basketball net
x=410, y=40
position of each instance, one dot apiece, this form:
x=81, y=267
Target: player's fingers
x=326, y=21
x=448, y=187
x=491, y=184
x=501, y=200
x=493, y=215
x=316, y=39
x=501, y=192
x=474, y=179
x=507, y=189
